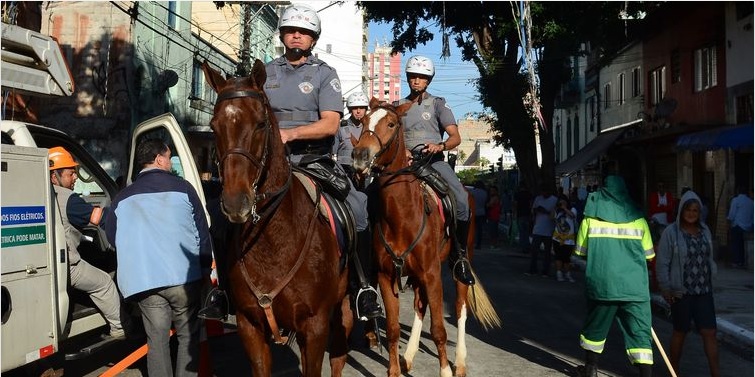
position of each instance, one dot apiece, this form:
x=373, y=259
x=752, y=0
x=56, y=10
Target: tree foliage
x=487, y=34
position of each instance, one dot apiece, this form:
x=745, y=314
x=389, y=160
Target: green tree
x=483, y=162
x=488, y=35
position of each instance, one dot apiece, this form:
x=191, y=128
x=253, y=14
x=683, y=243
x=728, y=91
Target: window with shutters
x=705, y=68
x=621, y=94
x=657, y=78
x=636, y=82
x=607, y=96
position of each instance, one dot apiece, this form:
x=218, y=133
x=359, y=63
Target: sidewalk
x=733, y=295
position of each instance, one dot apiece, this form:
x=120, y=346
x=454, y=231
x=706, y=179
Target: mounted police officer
x=425, y=122
x=357, y=104
x=305, y=94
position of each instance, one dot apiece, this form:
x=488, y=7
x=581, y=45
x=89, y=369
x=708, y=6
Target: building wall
x=621, y=112
x=342, y=43
x=126, y=71
x=701, y=25
x=384, y=73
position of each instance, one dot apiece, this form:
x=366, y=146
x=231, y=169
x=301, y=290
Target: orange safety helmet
x=60, y=158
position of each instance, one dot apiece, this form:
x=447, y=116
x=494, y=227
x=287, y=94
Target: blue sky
x=451, y=75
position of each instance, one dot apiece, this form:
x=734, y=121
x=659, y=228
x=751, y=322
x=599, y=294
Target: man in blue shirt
x=159, y=227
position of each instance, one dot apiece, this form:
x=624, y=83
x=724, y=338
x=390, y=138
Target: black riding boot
x=366, y=297
x=457, y=260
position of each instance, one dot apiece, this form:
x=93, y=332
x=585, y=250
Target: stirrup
x=366, y=316
x=466, y=278
x=216, y=306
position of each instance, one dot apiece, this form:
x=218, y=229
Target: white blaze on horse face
x=231, y=111
x=375, y=118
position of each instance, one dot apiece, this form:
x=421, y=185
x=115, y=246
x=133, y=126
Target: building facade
x=384, y=73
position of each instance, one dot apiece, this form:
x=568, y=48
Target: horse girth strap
x=398, y=260
x=265, y=300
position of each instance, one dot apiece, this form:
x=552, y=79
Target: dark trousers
x=479, y=226
x=538, y=240
x=524, y=226
x=737, y=245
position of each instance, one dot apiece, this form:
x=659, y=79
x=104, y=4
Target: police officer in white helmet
x=305, y=94
x=357, y=103
x=425, y=123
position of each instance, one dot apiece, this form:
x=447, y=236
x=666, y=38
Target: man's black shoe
x=587, y=371
x=367, y=304
x=463, y=272
x=217, y=309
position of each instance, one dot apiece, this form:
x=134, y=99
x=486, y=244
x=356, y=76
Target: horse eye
x=391, y=125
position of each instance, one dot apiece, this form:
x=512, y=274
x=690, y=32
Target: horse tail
x=481, y=306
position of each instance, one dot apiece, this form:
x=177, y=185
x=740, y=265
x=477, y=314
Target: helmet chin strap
x=418, y=94
x=297, y=53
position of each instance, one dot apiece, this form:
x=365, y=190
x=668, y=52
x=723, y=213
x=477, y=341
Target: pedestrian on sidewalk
x=523, y=215
x=493, y=215
x=542, y=232
x=685, y=269
x=480, y=196
x=564, y=239
x=740, y=218
x=615, y=239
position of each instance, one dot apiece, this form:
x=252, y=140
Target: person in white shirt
x=740, y=220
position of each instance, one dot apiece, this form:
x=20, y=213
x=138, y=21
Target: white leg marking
x=446, y=372
x=461, y=345
x=413, y=345
x=376, y=117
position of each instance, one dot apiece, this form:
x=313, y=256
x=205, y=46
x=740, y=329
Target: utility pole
x=245, y=65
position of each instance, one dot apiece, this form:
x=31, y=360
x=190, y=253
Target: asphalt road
x=540, y=336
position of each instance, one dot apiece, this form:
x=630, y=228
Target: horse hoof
x=372, y=341
x=406, y=366
x=461, y=372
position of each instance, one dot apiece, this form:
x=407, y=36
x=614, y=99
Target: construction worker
x=76, y=213
x=615, y=239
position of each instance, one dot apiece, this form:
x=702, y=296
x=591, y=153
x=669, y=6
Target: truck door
x=166, y=127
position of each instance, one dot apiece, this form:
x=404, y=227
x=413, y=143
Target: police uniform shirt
x=426, y=122
x=298, y=94
x=342, y=146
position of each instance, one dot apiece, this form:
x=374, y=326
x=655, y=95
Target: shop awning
x=592, y=150
x=737, y=137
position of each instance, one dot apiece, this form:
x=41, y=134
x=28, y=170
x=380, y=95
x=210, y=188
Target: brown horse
x=411, y=240
x=283, y=257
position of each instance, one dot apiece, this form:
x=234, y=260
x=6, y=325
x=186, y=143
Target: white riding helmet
x=301, y=16
x=420, y=65
x=357, y=99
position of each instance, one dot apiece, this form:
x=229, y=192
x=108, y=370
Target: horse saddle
x=337, y=213
x=433, y=181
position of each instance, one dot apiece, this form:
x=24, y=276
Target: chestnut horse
x=411, y=240
x=283, y=257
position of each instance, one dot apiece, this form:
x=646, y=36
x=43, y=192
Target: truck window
x=87, y=185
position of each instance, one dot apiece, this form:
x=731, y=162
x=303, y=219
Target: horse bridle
x=383, y=147
x=277, y=195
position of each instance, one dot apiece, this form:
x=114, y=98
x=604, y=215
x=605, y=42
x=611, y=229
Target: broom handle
x=663, y=353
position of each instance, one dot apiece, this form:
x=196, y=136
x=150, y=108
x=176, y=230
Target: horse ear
x=258, y=73
x=401, y=110
x=354, y=140
x=374, y=102
x=212, y=76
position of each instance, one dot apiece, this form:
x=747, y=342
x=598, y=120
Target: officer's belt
x=295, y=116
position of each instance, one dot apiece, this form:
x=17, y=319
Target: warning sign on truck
x=23, y=235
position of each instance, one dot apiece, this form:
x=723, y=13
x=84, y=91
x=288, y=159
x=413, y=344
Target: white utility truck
x=41, y=314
